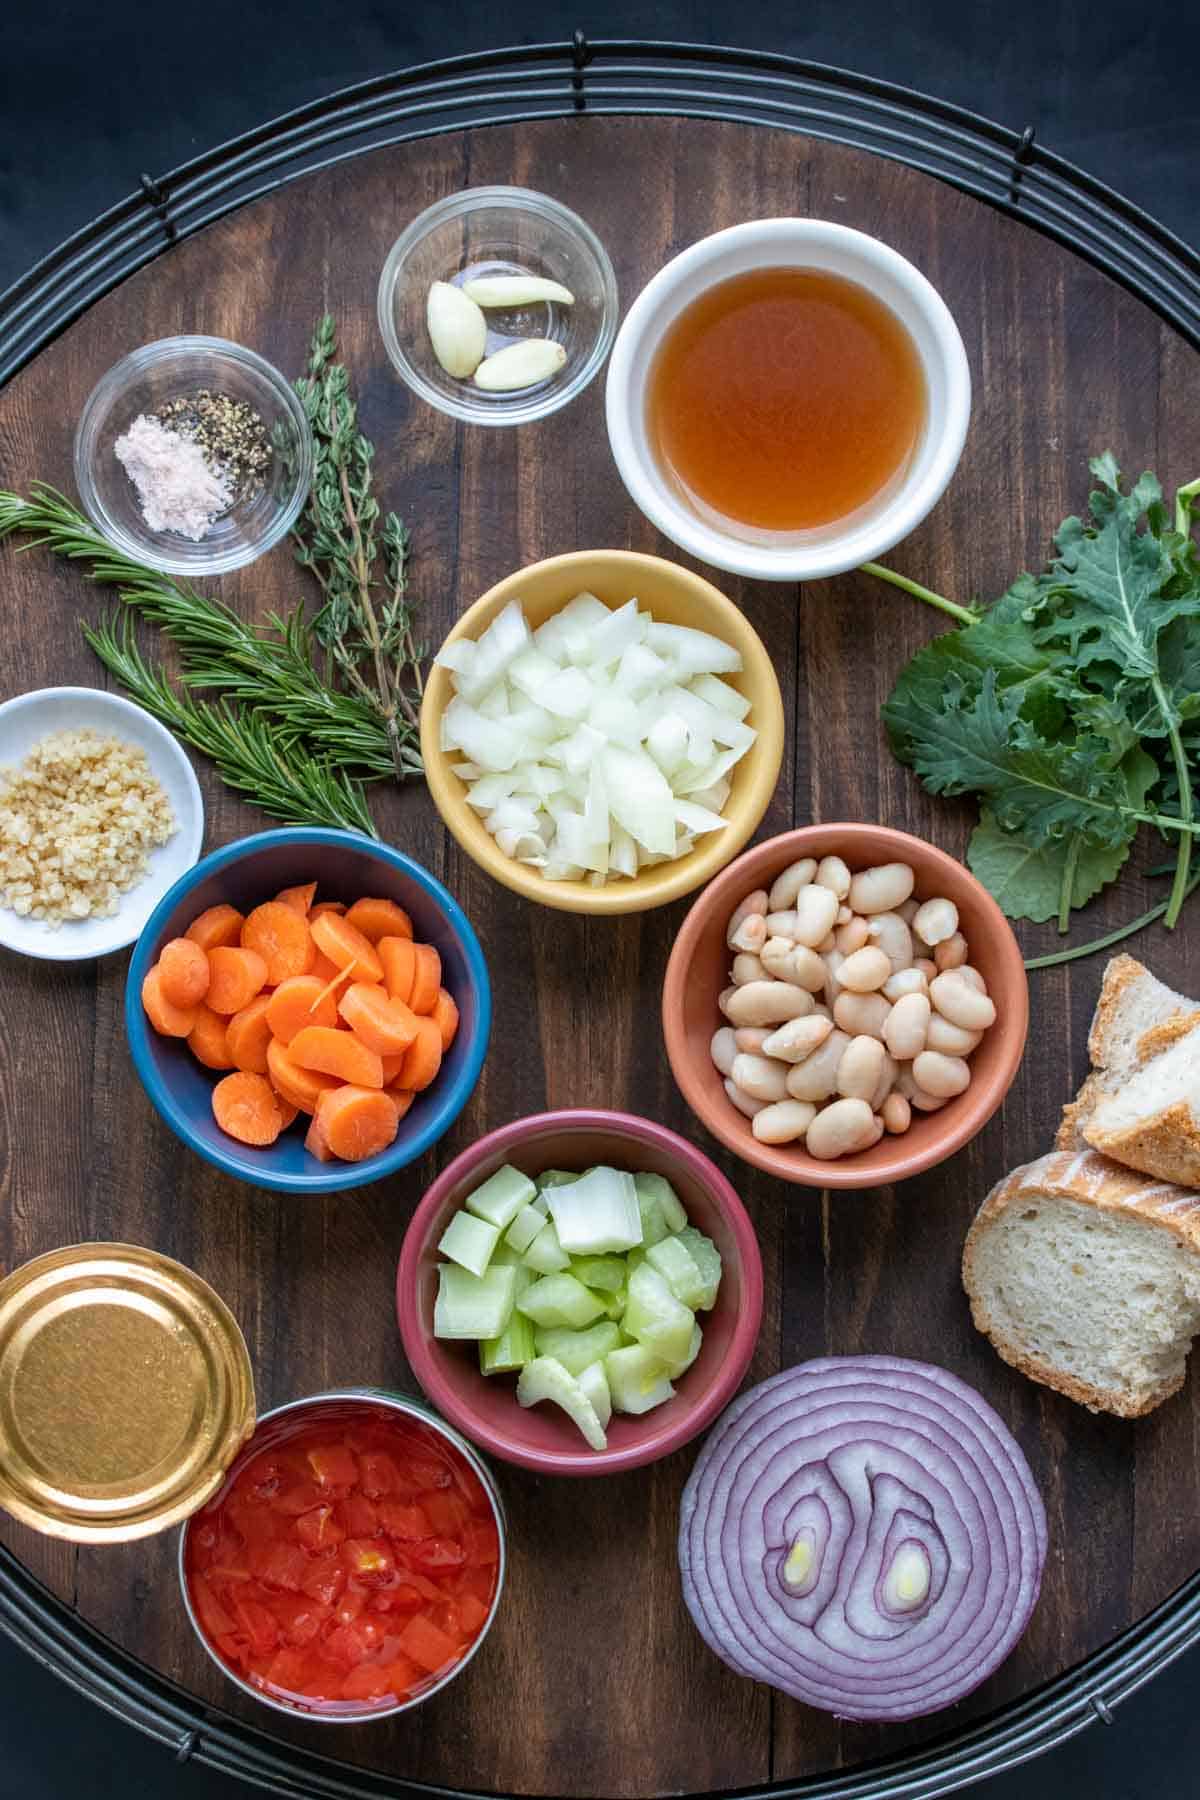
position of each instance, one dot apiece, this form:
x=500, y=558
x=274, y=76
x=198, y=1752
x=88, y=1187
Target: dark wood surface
x=593, y=1681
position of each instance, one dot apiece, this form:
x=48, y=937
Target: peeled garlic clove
x=520, y=365
x=516, y=290
x=457, y=329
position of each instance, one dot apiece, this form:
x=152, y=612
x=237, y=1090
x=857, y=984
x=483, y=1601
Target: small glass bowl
x=145, y=381
x=500, y=231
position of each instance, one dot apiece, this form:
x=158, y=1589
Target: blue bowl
x=345, y=867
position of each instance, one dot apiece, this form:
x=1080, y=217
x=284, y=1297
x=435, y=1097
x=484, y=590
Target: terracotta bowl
x=542, y=1437
x=699, y=968
x=676, y=597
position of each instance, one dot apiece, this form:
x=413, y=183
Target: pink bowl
x=542, y=1437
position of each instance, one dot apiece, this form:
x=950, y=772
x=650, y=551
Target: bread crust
x=1121, y=975
x=1166, y=1145
x=1089, y=1179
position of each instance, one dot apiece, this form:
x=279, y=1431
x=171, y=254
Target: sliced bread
x=1137, y=1017
x=1086, y=1277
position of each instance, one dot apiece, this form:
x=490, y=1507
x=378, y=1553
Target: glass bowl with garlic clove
x=498, y=305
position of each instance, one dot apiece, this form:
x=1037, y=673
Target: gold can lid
x=125, y=1392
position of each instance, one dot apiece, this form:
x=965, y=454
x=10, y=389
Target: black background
x=92, y=93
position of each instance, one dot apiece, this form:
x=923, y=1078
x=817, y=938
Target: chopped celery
x=552, y=1178
x=654, y=1226
x=545, y=1379
x=599, y=1212
x=707, y=1258
x=504, y=1253
x=614, y=1304
x=576, y=1349
x=605, y=1273
x=501, y=1197
x=679, y=1269
x=524, y=1228
x=546, y=1254
x=560, y=1300
x=652, y=1189
x=637, y=1381
x=473, y=1306
x=675, y=1370
x=594, y=1383
x=655, y=1317
x=467, y=1240
x=511, y=1350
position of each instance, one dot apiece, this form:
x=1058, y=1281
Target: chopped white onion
x=601, y=744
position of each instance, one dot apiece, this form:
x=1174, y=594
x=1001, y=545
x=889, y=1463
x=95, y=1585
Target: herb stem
x=362, y=577
x=963, y=614
x=1179, y=886
x=1068, y=883
x=1183, y=507
x=1110, y=938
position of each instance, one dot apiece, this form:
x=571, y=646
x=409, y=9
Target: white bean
x=881, y=889
x=907, y=1027
x=784, y=1122
x=905, y=981
x=962, y=1004
x=950, y=1039
x=935, y=921
x=844, y=915
x=750, y=933
x=827, y=943
x=916, y=1096
x=816, y=1077
x=760, y=1077
x=885, y=1084
x=909, y=910
x=968, y=974
x=866, y=970
x=781, y=925
x=833, y=959
x=766, y=1003
x=860, y=1069
x=746, y=968
x=841, y=1129
x=820, y=1010
x=852, y=936
x=926, y=967
x=816, y=909
x=941, y=1076
x=723, y=1049
x=724, y=997
x=897, y=1114
x=745, y=1103
x=750, y=1038
x=795, y=963
x=753, y=903
x=787, y=885
x=862, y=1015
x=951, y=953
x=894, y=938
x=797, y=1039
x=833, y=874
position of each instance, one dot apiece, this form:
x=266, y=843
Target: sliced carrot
x=392, y=1066
x=343, y=943
x=315, y=1141
x=183, y=972
x=281, y=936
x=216, y=929
x=427, y=979
x=424, y=1058
x=337, y=980
x=287, y=1111
x=299, y=1087
x=358, y=1122
x=445, y=1017
x=325, y=906
x=299, y=1001
x=167, y=1019
x=379, y=918
x=245, y=1105
x=248, y=1034
x=382, y=1024
x=235, y=976
x=398, y=956
x=300, y=899
x=207, y=1041
x=322, y=968
x=403, y=1097
x=337, y=1053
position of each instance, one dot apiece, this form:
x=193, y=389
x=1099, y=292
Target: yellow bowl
x=676, y=597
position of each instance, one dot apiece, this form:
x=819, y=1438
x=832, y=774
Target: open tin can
x=125, y=1392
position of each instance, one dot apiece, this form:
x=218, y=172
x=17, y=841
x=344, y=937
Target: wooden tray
x=593, y=1681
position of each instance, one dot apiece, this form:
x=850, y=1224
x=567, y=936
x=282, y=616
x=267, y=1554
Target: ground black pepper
x=230, y=433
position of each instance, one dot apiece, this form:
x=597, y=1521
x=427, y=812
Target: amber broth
x=785, y=399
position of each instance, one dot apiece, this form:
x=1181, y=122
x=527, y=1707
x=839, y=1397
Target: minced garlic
x=78, y=819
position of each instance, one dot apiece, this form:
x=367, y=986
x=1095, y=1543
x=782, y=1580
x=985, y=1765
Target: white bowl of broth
x=788, y=399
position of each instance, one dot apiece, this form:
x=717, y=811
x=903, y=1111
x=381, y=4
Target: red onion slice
x=864, y=1534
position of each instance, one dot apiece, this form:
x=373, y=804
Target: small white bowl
x=27, y=719
x=807, y=244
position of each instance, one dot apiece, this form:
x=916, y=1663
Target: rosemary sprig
x=340, y=538
x=241, y=742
